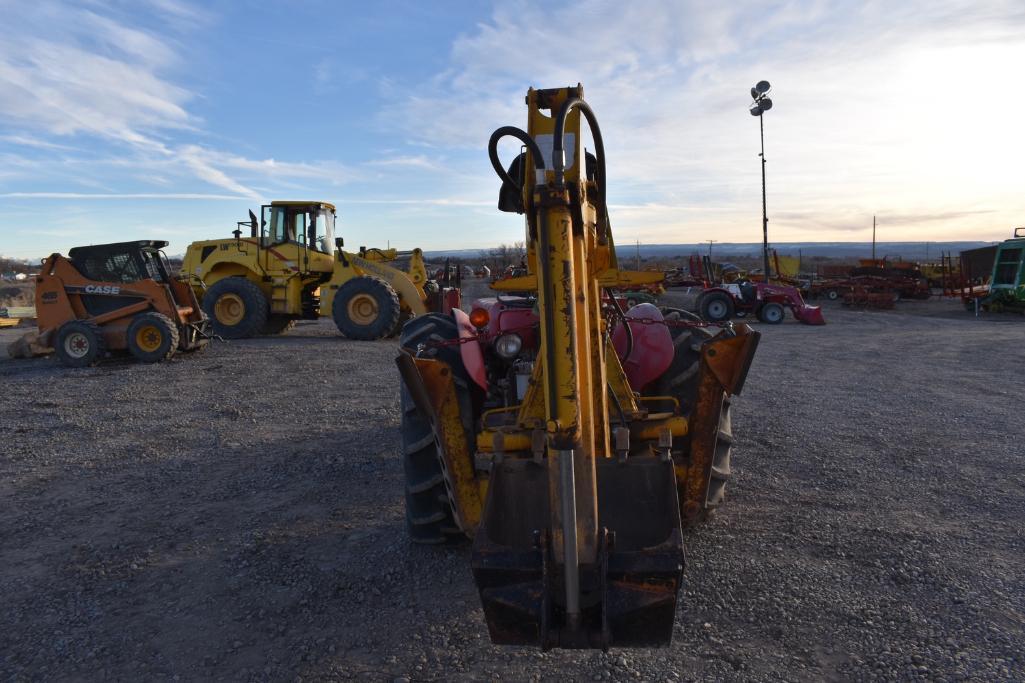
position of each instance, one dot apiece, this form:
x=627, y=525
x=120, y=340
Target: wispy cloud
x=68, y=73
x=112, y=195
x=878, y=107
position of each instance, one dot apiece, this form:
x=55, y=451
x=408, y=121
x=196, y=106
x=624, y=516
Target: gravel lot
x=238, y=515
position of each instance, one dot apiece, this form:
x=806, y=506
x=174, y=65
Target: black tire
x=716, y=307
x=404, y=317
x=278, y=324
x=771, y=313
x=680, y=381
x=721, y=471
x=378, y=299
x=152, y=337
x=253, y=316
x=79, y=344
x=429, y=517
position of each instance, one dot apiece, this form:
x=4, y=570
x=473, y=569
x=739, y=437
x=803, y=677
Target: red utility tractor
x=768, y=302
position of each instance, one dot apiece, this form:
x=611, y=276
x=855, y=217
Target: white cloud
x=900, y=110
x=68, y=73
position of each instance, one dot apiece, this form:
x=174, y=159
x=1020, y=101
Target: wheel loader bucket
x=628, y=596
x=809, y=315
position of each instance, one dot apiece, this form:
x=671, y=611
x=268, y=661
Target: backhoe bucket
x=809, y=315
x=628, y=596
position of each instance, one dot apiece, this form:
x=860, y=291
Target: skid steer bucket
x=628, y=596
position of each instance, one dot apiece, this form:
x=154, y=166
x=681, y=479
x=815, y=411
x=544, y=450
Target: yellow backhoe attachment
x=576, y=489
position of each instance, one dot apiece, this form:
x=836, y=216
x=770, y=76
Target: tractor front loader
x=116, y=297
x=291, y=267
x=572, y=441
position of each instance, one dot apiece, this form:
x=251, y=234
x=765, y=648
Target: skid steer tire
x=366, y=308
x=278, y=324
x=79, y=344
x=236, y=307
x=152, y=337
x=429, y=518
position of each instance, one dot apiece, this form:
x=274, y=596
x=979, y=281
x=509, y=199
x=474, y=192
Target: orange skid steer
x=116, y=297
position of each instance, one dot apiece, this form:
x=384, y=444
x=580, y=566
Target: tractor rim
x=773, y=314
x=717, y=309
x=229, y=309
x=362, y=309
x=76, y=345
x=149, y=338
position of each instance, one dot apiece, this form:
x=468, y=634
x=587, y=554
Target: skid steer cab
x=112, y=298
x=570, y=439
x=287, y=265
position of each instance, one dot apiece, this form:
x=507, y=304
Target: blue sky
x=169, y=119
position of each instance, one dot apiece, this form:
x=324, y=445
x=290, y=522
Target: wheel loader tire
x=152, y=337
x=79, y=344
x=278, y=324
x=429, y=518
x=236, y=307
x=366, y=308
x=716, y=307
x=771, y=313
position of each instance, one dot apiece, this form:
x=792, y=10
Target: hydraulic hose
x=559, y=149
x=535, y=153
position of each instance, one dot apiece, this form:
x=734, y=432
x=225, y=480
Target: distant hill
x=912, y=251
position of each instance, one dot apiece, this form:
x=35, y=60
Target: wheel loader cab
x=309, y=225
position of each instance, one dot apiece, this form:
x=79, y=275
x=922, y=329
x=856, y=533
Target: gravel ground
x=237, y=514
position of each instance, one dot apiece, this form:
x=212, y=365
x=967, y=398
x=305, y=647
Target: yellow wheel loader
x=291, y=267
x=570, y=439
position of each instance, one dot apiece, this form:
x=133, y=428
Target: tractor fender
x=653, y=350
x=470, y=349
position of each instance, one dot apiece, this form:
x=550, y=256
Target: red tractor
x=768, y=302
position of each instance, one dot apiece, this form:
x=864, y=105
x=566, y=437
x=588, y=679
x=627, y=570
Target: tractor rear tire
x=716, y=307
x=680, y=381
x=79, y=344
x=236, y=307
x=152, y=337
x=366, y=308
x=771, y=313
x=278, y=324
x=429, y=517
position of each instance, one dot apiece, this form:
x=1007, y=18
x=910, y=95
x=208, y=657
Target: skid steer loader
x=569, y=439
x=114, y=297
x=292, y=267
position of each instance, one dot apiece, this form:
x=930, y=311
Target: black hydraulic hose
x=535, y=152
x=558, y=146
